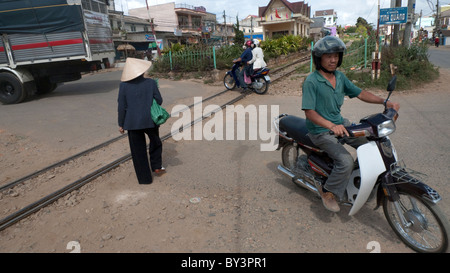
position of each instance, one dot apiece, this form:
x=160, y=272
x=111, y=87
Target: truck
x=48, y=42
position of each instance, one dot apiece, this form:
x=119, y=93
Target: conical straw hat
x=134, y=68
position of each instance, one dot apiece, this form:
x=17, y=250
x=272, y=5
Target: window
x=196, y=22
x=95, y=5
x=183, y=21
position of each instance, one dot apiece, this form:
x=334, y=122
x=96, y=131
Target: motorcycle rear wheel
x=264, y=88
x=420, y=224
x=289, y=156
x=293, y=158
x=229, y=82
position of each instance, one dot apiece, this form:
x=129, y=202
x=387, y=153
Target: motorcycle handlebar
x=391, y=113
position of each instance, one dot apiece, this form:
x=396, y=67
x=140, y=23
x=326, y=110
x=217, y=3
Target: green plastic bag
x=159, y=114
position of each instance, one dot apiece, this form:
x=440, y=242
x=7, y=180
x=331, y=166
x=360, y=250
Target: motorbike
x=409, y=205
x=260, y=79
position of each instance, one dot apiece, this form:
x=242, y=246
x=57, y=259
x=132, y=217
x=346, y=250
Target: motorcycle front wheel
x=229, y=82
x=420, y=224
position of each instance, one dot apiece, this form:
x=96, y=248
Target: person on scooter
x=323, y=96
x=258, y=57
x=244, y=58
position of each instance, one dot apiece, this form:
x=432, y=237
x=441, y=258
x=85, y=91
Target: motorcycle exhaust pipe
x=297, y=180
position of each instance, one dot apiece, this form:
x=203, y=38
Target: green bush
x=413, y=68
x=226, y=54
x=284, y=45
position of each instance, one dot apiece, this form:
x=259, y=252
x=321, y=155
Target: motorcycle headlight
x=386, y=128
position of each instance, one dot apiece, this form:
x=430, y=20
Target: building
x=185, y=24
x=444, y=29
x=132, y=36
x=281, y=17
x=317, y=28
x=423, y=29
x=329, y=15
x=250, y=27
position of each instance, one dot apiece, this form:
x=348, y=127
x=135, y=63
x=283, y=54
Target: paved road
x=440, y=56
x=86, y=109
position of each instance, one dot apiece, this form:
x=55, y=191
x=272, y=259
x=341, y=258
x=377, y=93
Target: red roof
x=297, y=7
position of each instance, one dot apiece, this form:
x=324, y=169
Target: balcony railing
x=190, y=7
x=190, y=27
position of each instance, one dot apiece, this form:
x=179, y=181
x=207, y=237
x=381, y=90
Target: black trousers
x=138, y=147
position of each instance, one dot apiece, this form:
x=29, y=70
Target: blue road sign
x=393, y=16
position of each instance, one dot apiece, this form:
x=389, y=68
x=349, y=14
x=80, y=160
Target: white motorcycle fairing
x=371, y=165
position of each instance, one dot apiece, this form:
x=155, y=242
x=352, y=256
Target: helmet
x=328, y=44
x=248, y=43
x=256, y=42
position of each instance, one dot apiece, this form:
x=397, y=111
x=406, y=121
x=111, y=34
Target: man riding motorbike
x=323, y=96
x=244, y=58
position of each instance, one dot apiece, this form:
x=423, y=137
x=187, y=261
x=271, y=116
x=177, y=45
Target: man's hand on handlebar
x=339, y=130
x=395, y=105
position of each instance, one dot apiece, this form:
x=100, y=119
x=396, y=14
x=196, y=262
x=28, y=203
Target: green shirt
x=319, y=95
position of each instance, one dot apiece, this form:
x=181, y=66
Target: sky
x=348, y=11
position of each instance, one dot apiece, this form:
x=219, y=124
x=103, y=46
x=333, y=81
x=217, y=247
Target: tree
x=362, y=22
x=362, y=30
x=239, y=35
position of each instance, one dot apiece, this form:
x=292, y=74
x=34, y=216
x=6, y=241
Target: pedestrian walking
x=136, y=94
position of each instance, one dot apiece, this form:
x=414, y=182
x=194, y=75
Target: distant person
x=436, y=41
x=136, y=95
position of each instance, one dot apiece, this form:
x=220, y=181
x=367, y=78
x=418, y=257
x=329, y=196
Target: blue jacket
x=246, y=55
x=135, y=101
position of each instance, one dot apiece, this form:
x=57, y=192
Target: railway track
x=44, y=201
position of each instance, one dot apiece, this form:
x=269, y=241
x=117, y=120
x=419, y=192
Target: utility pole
x=409, y=23
x=225, y=26
x=153, y=29
x=437, y=25
x=376, y=56
x=251, y=28
x=395, y=39
x=420, y=26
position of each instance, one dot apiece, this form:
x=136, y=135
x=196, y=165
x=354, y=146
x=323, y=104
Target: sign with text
x=393, y=16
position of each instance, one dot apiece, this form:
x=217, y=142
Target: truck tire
x=11, y=89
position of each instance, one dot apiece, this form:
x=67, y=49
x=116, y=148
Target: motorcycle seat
x=258, y=71
x=295, y=127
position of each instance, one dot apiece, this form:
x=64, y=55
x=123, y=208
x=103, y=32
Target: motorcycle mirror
x=391, y=85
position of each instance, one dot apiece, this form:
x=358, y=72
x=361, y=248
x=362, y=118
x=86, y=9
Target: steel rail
x=49, y=199
x=106, y=143
x=43, y=202
x=97, y=147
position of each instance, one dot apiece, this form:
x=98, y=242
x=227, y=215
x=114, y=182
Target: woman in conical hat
x=134, y=68
x=136, y=95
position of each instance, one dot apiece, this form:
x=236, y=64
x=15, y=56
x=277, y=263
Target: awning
x=125, y=47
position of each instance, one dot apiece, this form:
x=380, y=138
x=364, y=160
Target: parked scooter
x=258, y=82
x=409, y=205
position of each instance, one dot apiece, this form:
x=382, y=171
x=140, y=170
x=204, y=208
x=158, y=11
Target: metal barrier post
x=311, y=62
x=214, y=56
x=365, y=52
